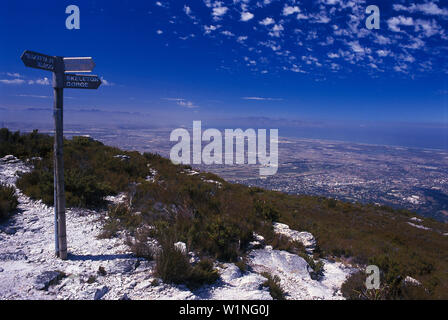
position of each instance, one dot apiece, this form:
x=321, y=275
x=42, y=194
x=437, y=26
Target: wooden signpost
x=62, y=78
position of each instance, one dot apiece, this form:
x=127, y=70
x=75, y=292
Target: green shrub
x=242, y=265
x=202, y=273
x=91, y=170
x=354, y=288
x=355, y=284
x=140, y=245
x=25, y=146
x=281, y=242
x=273, y=283
x=172, y=266
x=110, y=229
x=8, y=201
x=265, y=211
x=317, y=267
x=124, y=214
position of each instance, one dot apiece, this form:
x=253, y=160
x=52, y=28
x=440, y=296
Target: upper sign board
x=38, y=60
x=78, y=64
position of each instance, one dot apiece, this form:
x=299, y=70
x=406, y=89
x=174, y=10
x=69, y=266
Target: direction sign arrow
x=79, y=64
x=38, y=60
x=81, y=81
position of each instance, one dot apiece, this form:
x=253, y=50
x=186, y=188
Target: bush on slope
x=8, y=201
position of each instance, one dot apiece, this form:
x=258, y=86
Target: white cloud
x=182, y=102
x=44, y=81
x=191, y=35
x=189, y=13
x=330, y=2
x=14, y=74
x=227, y=33
x=209, y=29
x=187, y=104
x=219, y=11
x=267, y=21
x=401, y=68
x=276, y=30
x=395, y=22
x=241, y=39
x=383, y=53
x=297, y=69
x=41, y=81
x=382, y=39
x=33, y=96
x=288, y=10
x=270, y=44
x=279, y=45
x=106, y=83
x=262, y=99
x=12, y=81
x=415, y=44
x=311, y=60
x=407, y=58
x=356, y=47
x=429, y=28
x=246, y=16
x=335, y=66
x=428, y=8
x=320, y=18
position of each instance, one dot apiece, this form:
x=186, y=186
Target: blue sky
x=167, y=62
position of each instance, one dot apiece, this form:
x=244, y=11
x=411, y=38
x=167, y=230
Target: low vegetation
x=173, y=267
x=273, y=283
x=91, y=171
x=8, y=201
x=217, y=220
x=355, y=289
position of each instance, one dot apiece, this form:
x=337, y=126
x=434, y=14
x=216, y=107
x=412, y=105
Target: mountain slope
x=219, y=221
x=99, y=268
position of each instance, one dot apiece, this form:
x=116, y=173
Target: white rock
x=412, y=281
x=295, y=279
x=181, y=246
x=234, y=285
x=306, y=238
x=418, y=226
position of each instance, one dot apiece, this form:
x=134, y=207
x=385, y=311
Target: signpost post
x=60, y=66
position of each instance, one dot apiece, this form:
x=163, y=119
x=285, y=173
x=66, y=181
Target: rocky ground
x=106, y=269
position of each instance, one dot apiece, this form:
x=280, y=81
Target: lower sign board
x=81, y=81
